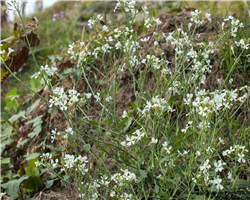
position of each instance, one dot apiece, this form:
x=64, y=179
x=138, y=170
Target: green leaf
x=16, y=117
x=43, y=169
x=34, y=83
x=31, y=108
x=6, y=45
x=146, y=139
x=3, y=104
x=34, y=120
x=130, y=133
x=7, y=142
x=133, y=105
x=101, y=82
x=31, y=156
x=49, y=183
x=66, y=177
x=173, y=98
x=143, y=174
x=4, y=115
x=94, y=123
x=113, y=84
x=53, y=111
x=11, y=102
x=33, y=184
x=5, y=161
x=32, y=168
x=56, y=147
x=12, y=186
x=74, y=144
x=165, y=195
x=128, y=123
x=87, y=147
x=94, y=131
x=122, y=123
x=7, y=131
x=22, y=142
x=242, y=183
x=36, y=131
x=15, y=33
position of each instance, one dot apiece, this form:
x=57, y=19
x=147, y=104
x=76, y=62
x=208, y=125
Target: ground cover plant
x=155, y=107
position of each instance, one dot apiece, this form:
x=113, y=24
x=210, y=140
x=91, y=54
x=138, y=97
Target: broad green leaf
x=33, y=120
x=33, y=184
x=87, y=147
x=5, y=161
x=113, y=84
x=31, y=108
x=15, y=33
x=122, y=123
x=3, y=104
x=16, y=117
x=22, y=142
x=74, y=144
x=143, y=174
x=4, y=72
x=101, y=82
x=32, y=168
x=6, y=45
x=34, y=83
x=94, y=131
x=173, y=98
x=49, y=183
x=36, y=131
x=4, y=115
x=130, y=133
x=128, y=123
x=7, y=131
x=12, y=103
x=12, y=186
x=242, y=183
x=94, y=123
x=53, y=111
x=165, y=195
x=31, y=156
x=56, y=147
x=133, y=105
x=146, y=139
x=66, y=177
x=7, y=142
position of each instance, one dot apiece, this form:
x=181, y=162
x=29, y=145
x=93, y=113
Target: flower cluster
x=167, y=147
x=78, y=163
x=204, y=104
x=44, y=158
x=117, y=181
x=242, y=44
x=127, y=6
x=60, y=99
x=131, y=140
x=46, y=71
x=54, y=133
x=217, y=182
x=91, y=22
x=58, y=16
x=158, y=105
x=239, y=152
x=74, y=52
x=14, y=5
x=235, y=24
